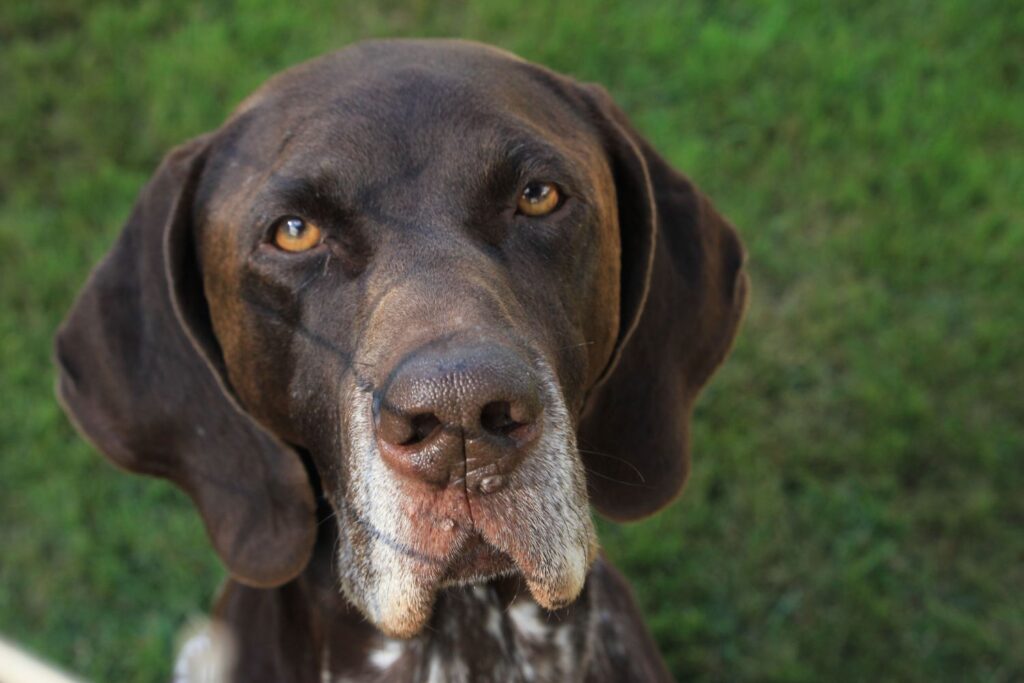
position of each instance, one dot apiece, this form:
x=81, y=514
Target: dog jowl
x=448, y=292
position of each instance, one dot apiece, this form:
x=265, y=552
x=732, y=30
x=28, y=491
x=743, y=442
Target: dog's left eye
x=538, y=199
x=294, y=234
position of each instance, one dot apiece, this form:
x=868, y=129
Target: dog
x=394, y=327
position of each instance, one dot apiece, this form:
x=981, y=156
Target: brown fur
x=200, y=353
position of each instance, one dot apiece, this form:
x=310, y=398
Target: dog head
x=451, y=289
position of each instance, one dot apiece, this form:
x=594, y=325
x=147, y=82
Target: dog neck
x=307, y=630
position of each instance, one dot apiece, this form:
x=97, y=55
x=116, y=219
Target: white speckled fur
x=387, y=654
x=206, y=655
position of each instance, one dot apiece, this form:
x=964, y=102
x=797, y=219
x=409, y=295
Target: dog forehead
x=385, y=101
x=403, y=114
x=460, y=71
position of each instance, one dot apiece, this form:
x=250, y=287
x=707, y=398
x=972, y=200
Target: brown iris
x=294, y=234
x=538, y=199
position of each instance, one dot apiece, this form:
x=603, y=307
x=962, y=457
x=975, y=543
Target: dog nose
x=449, y=412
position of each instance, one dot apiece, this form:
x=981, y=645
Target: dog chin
x=406, y=616
x=400, y=602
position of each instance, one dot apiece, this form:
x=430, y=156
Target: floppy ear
x=139, y=377
x=683, y=292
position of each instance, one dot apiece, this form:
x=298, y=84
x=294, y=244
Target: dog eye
x=538, y=199
x=295, y=235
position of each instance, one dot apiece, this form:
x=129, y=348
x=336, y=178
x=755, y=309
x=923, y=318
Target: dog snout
x=459, y=412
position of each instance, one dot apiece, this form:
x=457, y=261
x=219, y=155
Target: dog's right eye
x=294, y=235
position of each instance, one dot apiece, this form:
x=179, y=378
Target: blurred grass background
x=856, y=510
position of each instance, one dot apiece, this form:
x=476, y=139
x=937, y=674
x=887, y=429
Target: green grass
x=856, y=509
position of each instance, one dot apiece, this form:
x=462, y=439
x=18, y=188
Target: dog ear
x=683, y=293
x=139, y=376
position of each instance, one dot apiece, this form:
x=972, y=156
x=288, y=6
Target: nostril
x=398, y=429
x=423, y=426
x=497, y=417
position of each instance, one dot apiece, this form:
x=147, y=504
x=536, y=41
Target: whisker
x=515, y=596
x=328, y=518
x=615, y=457
x=575, y=346
x=642, y=485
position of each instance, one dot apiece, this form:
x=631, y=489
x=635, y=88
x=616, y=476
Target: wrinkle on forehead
x=396, y=103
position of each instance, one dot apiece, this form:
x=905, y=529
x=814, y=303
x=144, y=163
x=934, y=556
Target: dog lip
x=474, y=556
x=477, y=560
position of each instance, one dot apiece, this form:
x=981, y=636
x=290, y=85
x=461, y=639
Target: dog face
x=425, y=276
x=428, y=268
